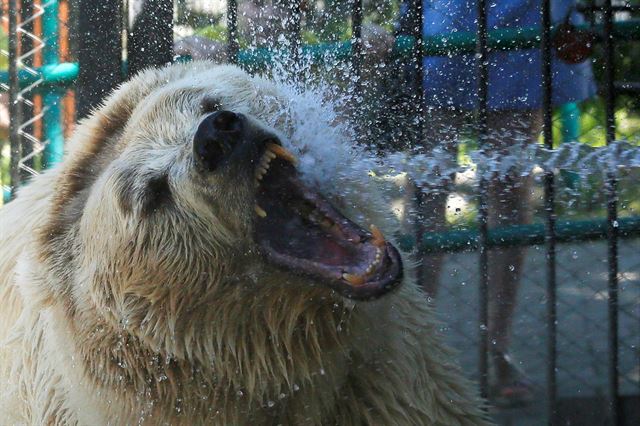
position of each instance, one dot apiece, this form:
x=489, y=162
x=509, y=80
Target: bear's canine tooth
x=259, y=211
x=262, y=170
x=353, y=279
x=326, y=223
x=282, y=153
x=378, y=238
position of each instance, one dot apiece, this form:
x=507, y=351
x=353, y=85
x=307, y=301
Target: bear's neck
x=246, y=359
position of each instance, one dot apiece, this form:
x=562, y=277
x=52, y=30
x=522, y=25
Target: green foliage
x=216, y=32
x=4, y=46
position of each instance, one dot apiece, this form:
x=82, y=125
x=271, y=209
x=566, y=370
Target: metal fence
x=51, y=80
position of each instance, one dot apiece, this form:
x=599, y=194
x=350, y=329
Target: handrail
x=520, y=235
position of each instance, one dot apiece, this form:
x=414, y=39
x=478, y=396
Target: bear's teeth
x=375, y=262
x=265, y=160
x=283, y=153
x=259, y=211
x=378, y=238
x=353, y=279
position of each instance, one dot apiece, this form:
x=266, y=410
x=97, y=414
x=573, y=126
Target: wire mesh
x=39, y=120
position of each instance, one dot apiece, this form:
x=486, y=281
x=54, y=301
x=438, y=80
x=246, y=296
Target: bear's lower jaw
x=300, y=231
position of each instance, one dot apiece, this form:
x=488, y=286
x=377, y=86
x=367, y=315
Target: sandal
x=514, y=394
x=515, y=389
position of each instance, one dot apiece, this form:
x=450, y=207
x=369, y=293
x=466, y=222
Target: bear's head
x=179, y=218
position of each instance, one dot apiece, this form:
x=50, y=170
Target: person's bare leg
x=508, y=205
x=431, y=217
x=428, y=203
x=508, y=202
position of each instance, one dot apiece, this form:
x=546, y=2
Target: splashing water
x=521, y=159
x=325, y=140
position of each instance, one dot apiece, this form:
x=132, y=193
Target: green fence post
x=570, y=118
x=53, y=96
x=570, y=125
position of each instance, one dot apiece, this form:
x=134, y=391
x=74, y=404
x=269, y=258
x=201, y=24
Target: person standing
x=450, y=88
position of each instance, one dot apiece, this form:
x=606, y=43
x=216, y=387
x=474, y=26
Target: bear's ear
x=92, y=147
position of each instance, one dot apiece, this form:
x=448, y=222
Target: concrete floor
x=582, y=325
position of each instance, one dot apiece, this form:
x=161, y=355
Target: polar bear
x=178, y=268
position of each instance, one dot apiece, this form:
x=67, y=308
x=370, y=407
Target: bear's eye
x=157, y=193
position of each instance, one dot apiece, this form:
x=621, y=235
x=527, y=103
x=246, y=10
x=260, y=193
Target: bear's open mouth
x=297, y=229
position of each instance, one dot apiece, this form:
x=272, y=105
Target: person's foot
x=511, y=386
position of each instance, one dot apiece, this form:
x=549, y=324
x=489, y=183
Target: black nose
x=216, y=138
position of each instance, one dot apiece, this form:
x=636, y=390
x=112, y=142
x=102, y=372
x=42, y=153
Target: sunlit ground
x=582, y=319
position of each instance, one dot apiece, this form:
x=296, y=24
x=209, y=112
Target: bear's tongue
x=297, y=229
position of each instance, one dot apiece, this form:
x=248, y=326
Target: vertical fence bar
x=232, y=31
x=416, y=22
x=15, y=118
x=612, y=216
x=292, y=13
x=99, y=52
x=294, y=30
x=482, y=119
x=52, y=99
x=550, y=219
x=151, y=37
x=356, y=42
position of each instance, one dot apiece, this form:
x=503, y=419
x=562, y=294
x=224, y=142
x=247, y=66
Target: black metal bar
x=151, y=36
x=612, y=216
x=292, y=12
x=550, y=217
x=294, y=29
x=356, y=41
x=417, y=57
x=15, y=118
x=99, y=52
x=482, y=54
x=233, y=47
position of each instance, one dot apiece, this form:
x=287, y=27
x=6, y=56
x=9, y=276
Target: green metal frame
x=53, y=129
x=521, y=235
